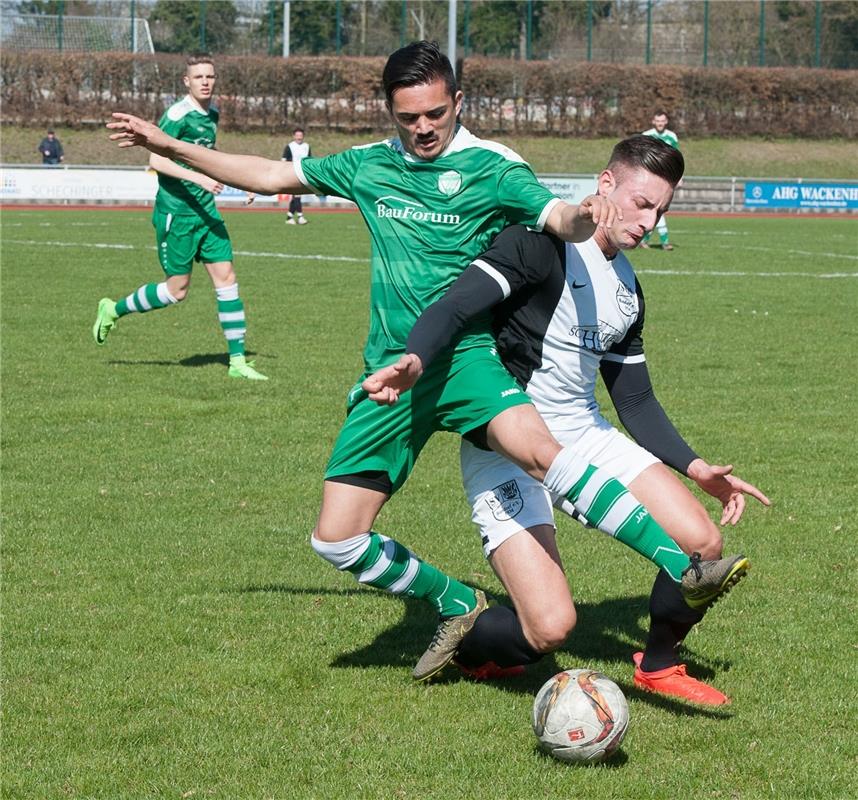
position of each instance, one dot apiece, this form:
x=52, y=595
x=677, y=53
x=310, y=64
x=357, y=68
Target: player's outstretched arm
x=717, y=481
x=167, y=167
x=251, y=173
x=578, y=223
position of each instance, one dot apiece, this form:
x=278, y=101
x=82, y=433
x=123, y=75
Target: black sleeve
x=473, y=293
x=517, y=257
x=287, y=153
x=642, y=416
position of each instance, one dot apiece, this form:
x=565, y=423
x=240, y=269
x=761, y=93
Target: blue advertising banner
x=768, y=194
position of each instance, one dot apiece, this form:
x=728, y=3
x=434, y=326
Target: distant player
x=188, y=226
x=659, y=130
x=295, y=151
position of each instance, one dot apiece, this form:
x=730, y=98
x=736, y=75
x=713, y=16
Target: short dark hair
x=661, y=113
x=198, y=58
x=415, y=64
x=651, y=154
x=299, y=129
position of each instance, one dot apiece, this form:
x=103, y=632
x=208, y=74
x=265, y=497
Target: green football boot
x=240, y=367
x=105, y=320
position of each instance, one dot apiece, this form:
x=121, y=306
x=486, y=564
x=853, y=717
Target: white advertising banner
x=58, y=184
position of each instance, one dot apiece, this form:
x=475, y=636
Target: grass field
x=753, y=158
x=167, y=631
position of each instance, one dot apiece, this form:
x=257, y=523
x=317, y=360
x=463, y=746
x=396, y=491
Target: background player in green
x=188, y=225
x=659, y=130
x=432, y=200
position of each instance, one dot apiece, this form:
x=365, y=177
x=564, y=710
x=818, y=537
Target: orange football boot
x=674, y=682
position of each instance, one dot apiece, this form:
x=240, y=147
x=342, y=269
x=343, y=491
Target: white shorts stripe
x=639, y=359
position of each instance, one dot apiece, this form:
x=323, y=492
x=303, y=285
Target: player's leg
x=294, y=205
x=216, y=253
x=663, y=235
x=520, y=434
x=299, y=210
x=371, y=459
x=176, y=247
x=658, y=667
x=514, y=517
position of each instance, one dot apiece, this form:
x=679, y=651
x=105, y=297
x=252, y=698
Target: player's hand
x=599, y=210
x=717, y=481
x=131, y=131
x=385, y=385
x=209, y=184
x=251, y=196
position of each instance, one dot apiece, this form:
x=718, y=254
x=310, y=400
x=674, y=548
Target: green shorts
x=458, y=393
x=184, y=239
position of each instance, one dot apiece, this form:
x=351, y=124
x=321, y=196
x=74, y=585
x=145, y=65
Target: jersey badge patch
x=505, y=501
x=626, y=300
x=449, y=182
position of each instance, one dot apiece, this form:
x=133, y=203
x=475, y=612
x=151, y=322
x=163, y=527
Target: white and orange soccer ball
x=580, y=715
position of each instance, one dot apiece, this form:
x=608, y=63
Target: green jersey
x=185, y=121
x=427, y=221
x=667, y=136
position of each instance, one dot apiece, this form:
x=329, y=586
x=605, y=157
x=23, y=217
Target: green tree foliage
x=177, y=25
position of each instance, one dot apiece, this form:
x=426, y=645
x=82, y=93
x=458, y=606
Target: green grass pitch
x=168, y=632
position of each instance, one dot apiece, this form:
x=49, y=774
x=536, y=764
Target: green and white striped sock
x=230, y=314
x=382, y=562
x=148, y=297
x=609, y=506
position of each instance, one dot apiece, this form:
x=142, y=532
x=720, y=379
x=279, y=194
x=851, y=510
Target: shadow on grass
x=199, y=360
x=603, y=633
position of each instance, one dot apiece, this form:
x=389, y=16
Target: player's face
x=425, y=117
x=299, y=136
x=642, y=197
x=200, y=81
x=659, y=122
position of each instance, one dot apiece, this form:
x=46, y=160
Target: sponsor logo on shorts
x=508, y=392
x=505, y=501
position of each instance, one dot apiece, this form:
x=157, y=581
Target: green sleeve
x=173, y=127
x=334, y=174
x=522, y=196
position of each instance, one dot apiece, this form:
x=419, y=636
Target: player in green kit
x=188, y=226
x=433, y=198
x=659, y=130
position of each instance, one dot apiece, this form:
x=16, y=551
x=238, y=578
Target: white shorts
x=505, y=499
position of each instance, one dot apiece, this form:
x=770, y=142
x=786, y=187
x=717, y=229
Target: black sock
x=670, y=620
x=496, y=636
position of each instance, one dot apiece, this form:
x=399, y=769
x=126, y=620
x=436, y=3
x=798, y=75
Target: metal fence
x=715, y=33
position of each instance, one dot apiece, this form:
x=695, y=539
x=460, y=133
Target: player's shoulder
x=466, y=143
x=179, y=110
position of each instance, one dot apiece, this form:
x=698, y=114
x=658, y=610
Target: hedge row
x=537, y=97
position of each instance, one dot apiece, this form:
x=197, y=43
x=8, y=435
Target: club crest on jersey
x=449, y=182
x=505, y=501
x=627, y=300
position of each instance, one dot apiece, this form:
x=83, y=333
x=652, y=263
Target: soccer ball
x=580, y=715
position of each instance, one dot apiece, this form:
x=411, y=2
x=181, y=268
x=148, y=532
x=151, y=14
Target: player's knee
x=551, y=630
x=704, y=537
x=179, y=293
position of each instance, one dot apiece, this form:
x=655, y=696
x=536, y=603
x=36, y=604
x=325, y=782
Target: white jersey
x=579, y=309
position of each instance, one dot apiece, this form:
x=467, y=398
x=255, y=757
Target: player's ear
x=607, y=183
x=457, y=102
x=187, y=81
